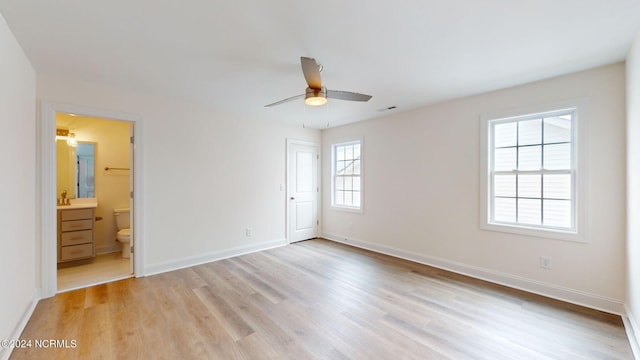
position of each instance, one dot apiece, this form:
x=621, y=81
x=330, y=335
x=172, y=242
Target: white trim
x=138, y=198
x=189, y=261
x=108, y=249
x=581, y=165
x=5, y=353
x=46, y=160
x=517, y=282
x=46, y=201
x=302, y=142
x=632, y=328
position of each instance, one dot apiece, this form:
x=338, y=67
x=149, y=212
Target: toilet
x=124, y=231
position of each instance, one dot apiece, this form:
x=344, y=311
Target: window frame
x=334, y=146
x=578, y=169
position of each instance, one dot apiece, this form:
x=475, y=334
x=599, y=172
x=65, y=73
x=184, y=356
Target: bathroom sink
x=80, y=203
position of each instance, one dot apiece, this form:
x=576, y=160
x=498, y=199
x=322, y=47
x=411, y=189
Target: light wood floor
x=317, y=300
x=106, y=267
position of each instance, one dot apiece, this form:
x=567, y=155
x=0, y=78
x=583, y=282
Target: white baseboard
x=210, y=257
x=108, y=249
x=533, y=286
x=5, y=353
x=633, y=331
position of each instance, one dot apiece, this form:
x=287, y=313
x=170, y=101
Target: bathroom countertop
x=81, y=203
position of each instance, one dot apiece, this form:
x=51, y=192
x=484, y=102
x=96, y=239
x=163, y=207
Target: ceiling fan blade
x=286, y=100
x=347, y=95
x=311, y=72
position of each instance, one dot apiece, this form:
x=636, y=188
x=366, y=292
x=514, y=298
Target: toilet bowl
x=124, y=231
x=124, y=237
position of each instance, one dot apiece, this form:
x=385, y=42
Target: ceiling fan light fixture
x=315, y=97
x=315, y=101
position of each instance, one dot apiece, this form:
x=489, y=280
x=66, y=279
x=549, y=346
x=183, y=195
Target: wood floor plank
x=317, y=300
x=232, y=323
x=257, y=280
x=95, y=328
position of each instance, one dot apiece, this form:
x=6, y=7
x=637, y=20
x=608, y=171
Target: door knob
x=292, y=198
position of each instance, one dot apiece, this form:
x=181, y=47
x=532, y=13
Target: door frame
x=46, y=232
x=288, y=186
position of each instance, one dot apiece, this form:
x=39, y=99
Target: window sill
x=536, y=232
x=346, y=209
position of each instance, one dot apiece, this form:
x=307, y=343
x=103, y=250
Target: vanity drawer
x=76, y=225
x=76, y=237
x=76, y=214
x=76, y=252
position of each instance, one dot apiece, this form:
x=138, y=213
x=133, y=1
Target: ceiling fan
x=316, y=94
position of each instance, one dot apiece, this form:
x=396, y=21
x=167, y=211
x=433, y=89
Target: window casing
x=346, y=192
x=531, y=164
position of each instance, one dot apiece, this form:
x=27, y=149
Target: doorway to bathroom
x=94, y=181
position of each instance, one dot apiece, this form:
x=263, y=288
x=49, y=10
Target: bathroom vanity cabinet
x=76, y=236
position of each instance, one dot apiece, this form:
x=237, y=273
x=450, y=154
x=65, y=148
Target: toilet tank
x=122, y=218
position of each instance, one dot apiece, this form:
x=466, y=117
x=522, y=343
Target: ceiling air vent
x=387, y=108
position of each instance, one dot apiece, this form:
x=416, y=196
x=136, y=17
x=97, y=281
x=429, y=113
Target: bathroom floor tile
x=105, y=268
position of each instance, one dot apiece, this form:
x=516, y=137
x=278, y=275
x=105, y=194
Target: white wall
x=207, y=175
x=633, y=188
x=421, y=199
x=17, y=192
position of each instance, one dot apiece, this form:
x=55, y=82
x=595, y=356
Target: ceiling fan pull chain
x=326, y=114
x=304, y=116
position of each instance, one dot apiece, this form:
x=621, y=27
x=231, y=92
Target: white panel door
x=302, y=189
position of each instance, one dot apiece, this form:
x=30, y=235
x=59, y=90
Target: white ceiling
x=239, y=55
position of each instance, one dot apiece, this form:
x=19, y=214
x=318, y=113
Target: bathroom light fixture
x=64, y=134
x=71, y=140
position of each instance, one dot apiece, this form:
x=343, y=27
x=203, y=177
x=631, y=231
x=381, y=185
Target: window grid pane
x=529, y=158
x=557, y=156
x=557, y=129
x=504, y=185
x=505, y=210
x=529, y=186
x=506, y=135
x=505, y=159
x=532, y=171
x=530, y=132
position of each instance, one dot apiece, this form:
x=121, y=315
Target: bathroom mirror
x=75, y=169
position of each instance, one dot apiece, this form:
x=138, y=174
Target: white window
x=347, y=175
x=532, y=173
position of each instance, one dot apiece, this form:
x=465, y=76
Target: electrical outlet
x=545, y=262
x=249, y=232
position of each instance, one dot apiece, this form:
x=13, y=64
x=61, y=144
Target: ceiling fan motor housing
x=315, y=97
